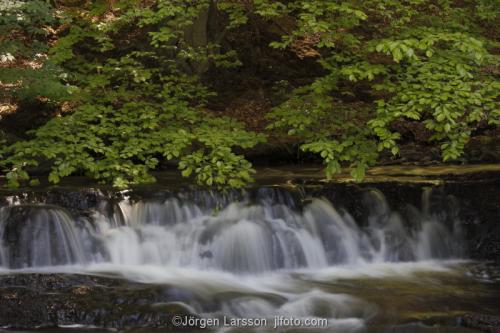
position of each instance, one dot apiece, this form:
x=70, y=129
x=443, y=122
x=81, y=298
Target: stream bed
x=273, y=258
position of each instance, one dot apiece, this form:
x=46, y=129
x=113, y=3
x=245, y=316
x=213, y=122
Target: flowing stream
x=263, y=255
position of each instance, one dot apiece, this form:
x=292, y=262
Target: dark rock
x=29, y=301
x=73, y=199
x=483, y=149
x=484, y=323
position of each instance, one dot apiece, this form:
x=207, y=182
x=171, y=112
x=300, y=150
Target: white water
x=252, y=257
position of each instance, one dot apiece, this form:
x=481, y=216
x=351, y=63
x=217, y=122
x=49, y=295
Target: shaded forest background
x=116, y=89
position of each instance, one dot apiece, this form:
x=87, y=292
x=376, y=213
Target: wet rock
x=485, y=271
x=484, y=323
x=29, y=301
x=471, y=199
x=483, y=149
x=479, y=212
x=74, y=199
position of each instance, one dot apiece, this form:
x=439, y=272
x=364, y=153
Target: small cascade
x=246, y=233
x=249, y=253
x=40, y=236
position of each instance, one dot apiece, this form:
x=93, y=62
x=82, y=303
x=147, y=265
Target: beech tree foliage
x=134, y=103
x=134, y=76
x=420, y=61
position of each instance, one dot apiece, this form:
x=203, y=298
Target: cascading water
x=265, y=236
x=40, y=236
x=244, y=245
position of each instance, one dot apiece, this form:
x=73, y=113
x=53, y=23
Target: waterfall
x=40, y=236
x=268, y=231
x=262, y=253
